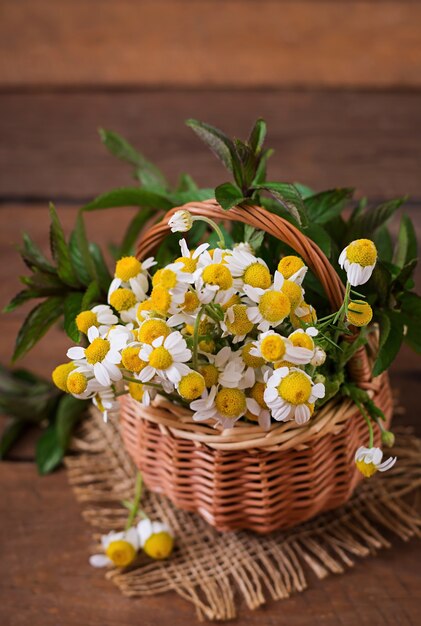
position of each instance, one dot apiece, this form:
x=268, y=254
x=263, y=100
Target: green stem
x=139, y=382
x=221, y=242
x=196, y=336
x=136, y=501
x=368, y=421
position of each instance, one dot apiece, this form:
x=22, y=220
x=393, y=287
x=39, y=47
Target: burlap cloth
x=213, y=570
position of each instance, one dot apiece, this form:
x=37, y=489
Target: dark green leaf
x=365, y=224
x=213, y=238
x=324, y=206
x=260, y=176
x=391, y=336
x=257, y=136
x=34, y=258
x=129, y=196
x=406, y=245
x=81, y=242
x=228, y=195
x=69, y=412
x=49, y=452
x=60, y=251
x=36, y=325
x=90, y=296
x=11, y=433
x=304, y=190
x=384, y=244
x=72, y=307
x=197, y=195
x=382, y=280
x=216, y=140
x=186, y=183
x=405, y=275
x=20, y=298
x=102, y=271
x=289, y=197
x=77, y=254
x=26, y=396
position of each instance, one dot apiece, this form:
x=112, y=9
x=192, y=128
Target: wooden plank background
x=229, y=43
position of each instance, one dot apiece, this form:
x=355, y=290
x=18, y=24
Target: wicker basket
x=245, y=478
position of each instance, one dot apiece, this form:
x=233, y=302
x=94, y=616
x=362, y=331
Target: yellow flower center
x=230, y=402
x=257, y=393
x=301, y=340
x=126, y=268
x=151, y=330
x=189, y=264
x=130, y=359
x=359, y=313
x=60, y=375
x=235, y=299
x=160, y=358
x=207, y=345
x=249, y=359
x=295, y=388
x=122, y=299
x=159, y=545
x=165, y=277
x=191, y=386
x=77, y=383
x=85, y=320
x=121, y=553
x=294, y=293
x=241, y=325
x=283, y=363
x=289, y=265
x=210, y=374
x=160, y=299
x=308, y=318
x=274, y=306
x=143, y=306
x=366, y=469
x=257, y=275
x=217, y=274
x=136, y=390
x=272, y=348
x=191, y=302
x=97, y=350
x=362, y=251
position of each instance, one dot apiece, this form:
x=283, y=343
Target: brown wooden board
x=50, y=148
x=210, y=43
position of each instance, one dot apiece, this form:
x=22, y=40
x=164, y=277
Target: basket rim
x=177, y=421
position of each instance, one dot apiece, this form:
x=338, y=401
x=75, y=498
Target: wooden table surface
x=50, y=151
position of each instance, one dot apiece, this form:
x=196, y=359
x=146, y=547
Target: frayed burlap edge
x=214, y=570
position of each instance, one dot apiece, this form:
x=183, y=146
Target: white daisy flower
x=225, y=406
x=273, y=347
x=292, y=268
x=224, y=368
x=100, y=316
x=236, y=323
x=303, y=350
x=105, y=400
x=291, y=394
x=358, y=259
x=81, y=382
x=125, y=302
x=120, y=549
x=250, y=270
x=132, y=274
x=156, y=539
x=369, y=461
x=190, y=258
x=166, y=357
x=213, y=279
x=319, y=357
x=273, y=305
x=254, y=366
x=102, y=354
x=181, y=221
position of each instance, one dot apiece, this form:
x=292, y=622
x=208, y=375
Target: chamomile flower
x=105, y=401
x=225, y=405
x=303, y=345
x=174, y=277
x=189, y=258
x=213, y=279
x=166, y=357
x=251, y=270
x=224, y=368
x=303, y=314
x=273, y=347
x=141, y=393
x=81, y=382
x=253, y=365
x=257, y=409
x=319, y=357
x=291, y=394
x=292, y=268
x=369, y=461
x=359, y=313
x=60, y=375
x=191, y=386
x=163, y=301
x=100, y=316
x=273, y=305
x=120, y=549
x=156, y=539
x=181, y=221
x=151, y=329
x=358, y=259
x=237, y=323
x=132, y=274
x=124, y=301
x=102, y=354
x=187, y=310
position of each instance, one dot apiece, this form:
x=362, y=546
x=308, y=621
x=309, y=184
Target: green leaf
x=411, y=310
x=289, y=197
x=253, y=237
x=382, y=280
x=36, y=325
x=132, y=232
x=21, y=298
x=182, y=197
x=11, y=433
x=26, y=396
x=186, y=183
x=49, y=452
x=260, y=176
x=102, y=271
x=391, y=336
x=228, y=195
x=384, y=244
x=72, y=308
x=129, y=196
x=33, y=257
x=405, y=275
x=147, y=173
x=406, y=245
x=213, y=238
x=69, y=413
x=365, y=224
x=257, y=136
x=304, y=190
x=320, y=236
x=60, y=251
x=82, y=244
x=77, y=254
x=90, y=296
x=216, y=140
x=324, y=206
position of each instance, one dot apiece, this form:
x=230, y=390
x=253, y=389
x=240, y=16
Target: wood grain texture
x=209, y=43
x=50, y=147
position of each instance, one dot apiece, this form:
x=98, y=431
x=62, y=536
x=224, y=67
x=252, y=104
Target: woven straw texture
x=244, y=477
x=218, y=572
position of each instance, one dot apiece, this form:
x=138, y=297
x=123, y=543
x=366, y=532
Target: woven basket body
x=244, y=478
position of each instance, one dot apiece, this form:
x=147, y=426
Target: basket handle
x=259, y=218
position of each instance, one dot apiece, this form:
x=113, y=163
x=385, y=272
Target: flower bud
x=388, y=438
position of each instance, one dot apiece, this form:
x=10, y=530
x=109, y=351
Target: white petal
x=99, y=560
x=102, y=375
x=93, y=333
x=302, y=414
x=76, y=353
